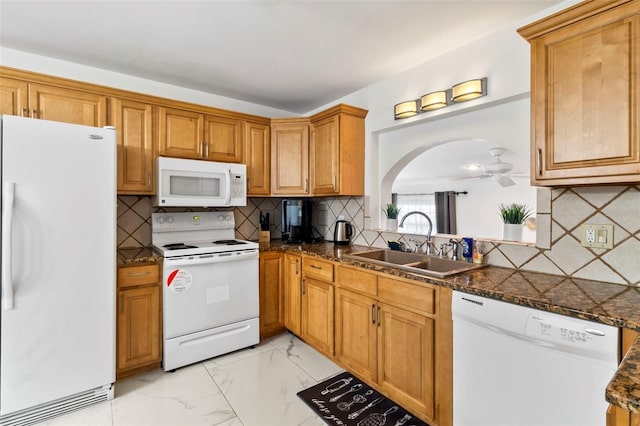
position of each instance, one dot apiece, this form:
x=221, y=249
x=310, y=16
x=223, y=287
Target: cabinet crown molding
x=569, y=16
x=340, y=109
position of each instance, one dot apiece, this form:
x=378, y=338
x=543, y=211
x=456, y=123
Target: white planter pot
x=512, y=232
x=392, y=225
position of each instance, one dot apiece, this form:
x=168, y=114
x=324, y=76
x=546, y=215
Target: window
x=424, y=203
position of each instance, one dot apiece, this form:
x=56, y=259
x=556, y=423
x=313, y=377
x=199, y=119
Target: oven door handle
x=216, y=258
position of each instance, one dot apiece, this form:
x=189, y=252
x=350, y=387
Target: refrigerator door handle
x=7, y=222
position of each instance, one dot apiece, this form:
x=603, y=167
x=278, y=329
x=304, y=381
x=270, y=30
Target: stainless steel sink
x=416, y=263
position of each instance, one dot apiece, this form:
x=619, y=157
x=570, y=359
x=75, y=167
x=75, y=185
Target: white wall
x=502, y=57
x=46, y=65
x=477, y=212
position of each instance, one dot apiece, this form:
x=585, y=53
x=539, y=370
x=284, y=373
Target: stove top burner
x=178, y=246
x=229, y=242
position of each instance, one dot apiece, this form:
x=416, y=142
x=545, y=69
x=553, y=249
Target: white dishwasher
x=518, y=366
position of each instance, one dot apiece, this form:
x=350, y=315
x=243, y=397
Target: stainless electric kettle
x=342, y=232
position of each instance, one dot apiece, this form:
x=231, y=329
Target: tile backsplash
x=560, y=214
x=134, y=217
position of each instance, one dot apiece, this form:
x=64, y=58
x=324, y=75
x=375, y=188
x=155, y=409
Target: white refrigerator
x=57, y=322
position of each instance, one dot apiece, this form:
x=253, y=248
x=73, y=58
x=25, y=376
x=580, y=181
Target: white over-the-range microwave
x=198, y=183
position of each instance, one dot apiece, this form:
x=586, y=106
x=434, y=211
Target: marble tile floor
x=251, y=387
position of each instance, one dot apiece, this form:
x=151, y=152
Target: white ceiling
x=447, y=162
x=292, y=55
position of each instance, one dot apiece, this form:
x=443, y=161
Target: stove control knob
x=220, y=218
x=227, y=218
x=160, y=219
x=170, y=219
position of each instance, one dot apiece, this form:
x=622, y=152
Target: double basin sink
x=421, y=264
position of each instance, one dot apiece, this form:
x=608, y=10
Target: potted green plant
x=391, y=212
x=513, y=217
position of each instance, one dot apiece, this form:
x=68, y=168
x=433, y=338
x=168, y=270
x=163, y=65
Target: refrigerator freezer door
x=59, y=337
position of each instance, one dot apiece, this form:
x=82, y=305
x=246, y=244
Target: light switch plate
x=600, y=236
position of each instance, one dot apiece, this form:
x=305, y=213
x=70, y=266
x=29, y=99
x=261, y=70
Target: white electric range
x=210, y=286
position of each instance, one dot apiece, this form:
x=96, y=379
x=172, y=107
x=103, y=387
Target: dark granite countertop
x=611, y=304
x=138, y=255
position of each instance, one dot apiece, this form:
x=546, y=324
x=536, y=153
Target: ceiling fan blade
x=504, y=181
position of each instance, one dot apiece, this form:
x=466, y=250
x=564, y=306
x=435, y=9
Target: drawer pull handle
x=316, y=267
x=139, y=274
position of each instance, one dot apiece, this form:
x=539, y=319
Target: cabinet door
x=290, y=159
x=356, y=333
x=67, y=105
x=325, y=154
x=317, y=314
x=292, y=292
x=406, y=351
x=14, y=97
x=271, y=297
x=586, y=100
x=223, y=139
x=139, y=339
x=257, y=157
x=134, y=122
x=181, y=133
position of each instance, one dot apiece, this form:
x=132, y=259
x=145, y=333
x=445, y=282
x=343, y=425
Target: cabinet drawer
x=357, y=280
x=397, y=292
x=319, y=269
x=130, y=276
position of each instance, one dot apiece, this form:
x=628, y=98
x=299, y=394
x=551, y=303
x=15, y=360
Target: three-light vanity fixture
x=461, y=92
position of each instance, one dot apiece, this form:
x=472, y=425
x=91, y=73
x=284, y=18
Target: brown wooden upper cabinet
x=330, y=161
x=14, y=97
x=290, y=156
x=585, y=90
x=190, y=134
x=337, y=151
x=257, y=157
x=52, y=103
x=135, y=135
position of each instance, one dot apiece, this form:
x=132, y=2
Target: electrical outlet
x=600, y=236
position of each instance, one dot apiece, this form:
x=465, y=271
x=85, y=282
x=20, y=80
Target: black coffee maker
x=296, y=221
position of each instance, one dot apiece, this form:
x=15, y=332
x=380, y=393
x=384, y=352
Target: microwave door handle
x=227, y=201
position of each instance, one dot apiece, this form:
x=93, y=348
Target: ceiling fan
x=498, y=169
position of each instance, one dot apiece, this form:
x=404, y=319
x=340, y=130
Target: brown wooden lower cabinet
x=139, y=324
x=406, y=345
x=292, y=290
x=617, y=416
x=317, y=314
x=271, y=294
x=396, y=335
